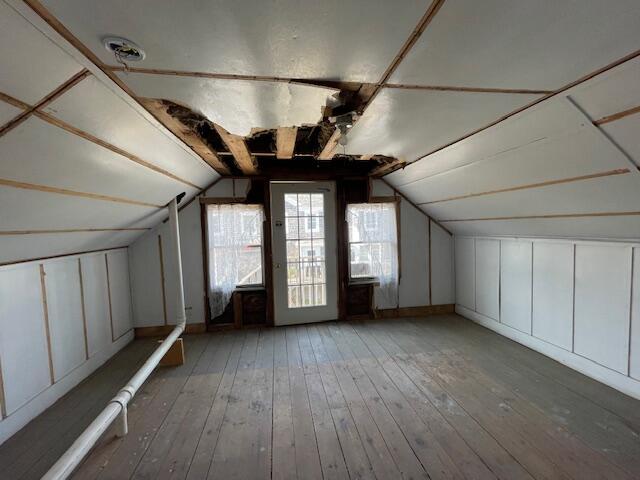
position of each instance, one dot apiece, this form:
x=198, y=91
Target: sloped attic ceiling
x=498, y=104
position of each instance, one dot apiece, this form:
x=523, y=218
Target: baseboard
x=164, y=330
x=613, y=379
x=404, y=312
x=414, y=311
x=11, y=424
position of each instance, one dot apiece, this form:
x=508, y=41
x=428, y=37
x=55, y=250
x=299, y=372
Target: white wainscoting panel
x=515, y=284
x=121, y=318
x=488, y=278
x=465, y=265
x=602, y=304
x=96, y=302
x=66, y=325
x=553, y=293
x=442, y=275
x=23, y=340
x=634, y=360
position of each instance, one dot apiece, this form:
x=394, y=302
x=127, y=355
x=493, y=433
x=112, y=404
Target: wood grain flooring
x=437, y=397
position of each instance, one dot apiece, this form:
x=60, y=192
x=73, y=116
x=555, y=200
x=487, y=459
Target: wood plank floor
x=437, y=397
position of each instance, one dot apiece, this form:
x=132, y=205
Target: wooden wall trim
x=74, y=193
x=93, y=139
x=395, y=190
x=617, y=116
x=429, y=260
x=70, y=230
x=51, y=257
x=583, y=79
x=106, y=263
x=3, y=403
x=608, y=173
x=47, y=330
x=443, y=88
x=420, y=311
x=547, y=216
x=84, y=312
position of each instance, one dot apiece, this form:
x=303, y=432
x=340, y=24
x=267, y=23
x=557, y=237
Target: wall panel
x=488, y=278
x=414, y=236
x=442, y=274
x=465, y=265
x=634, y=360
x=23, y=338
x=515, y=284
x=121, y=319
x=66, y=324
x=553, y=293
x=602, y=302
x=96, y=302
x=146, y=283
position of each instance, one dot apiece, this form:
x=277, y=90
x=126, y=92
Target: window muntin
x=305, y=246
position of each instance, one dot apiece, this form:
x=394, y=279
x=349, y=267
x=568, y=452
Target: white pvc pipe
x=66, y=464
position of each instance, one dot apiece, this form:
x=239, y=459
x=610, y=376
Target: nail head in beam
x=286, y=142
x=238, y=147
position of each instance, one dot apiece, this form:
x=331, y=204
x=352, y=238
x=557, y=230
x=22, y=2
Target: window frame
x=396, y=201
x=204, y=203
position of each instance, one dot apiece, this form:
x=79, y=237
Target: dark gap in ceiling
x=262, y=141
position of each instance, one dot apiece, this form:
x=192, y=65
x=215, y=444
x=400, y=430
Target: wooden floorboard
x=437, y=397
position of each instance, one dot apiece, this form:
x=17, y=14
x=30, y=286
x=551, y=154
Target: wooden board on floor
x=438, y=397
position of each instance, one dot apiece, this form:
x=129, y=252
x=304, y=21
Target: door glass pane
x=304, y=219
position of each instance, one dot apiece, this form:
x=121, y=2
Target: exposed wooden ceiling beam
x=386, y=168
x=14, y=101
x=73, y=193
x=618, y=171
x=238, y=147
x=329, y=149
x=286, y=142
x=184, y=133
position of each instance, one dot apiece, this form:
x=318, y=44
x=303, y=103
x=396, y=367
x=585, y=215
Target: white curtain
x=373, y=245
x=235, y=250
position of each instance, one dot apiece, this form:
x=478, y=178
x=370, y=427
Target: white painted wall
x=43, y=356
x=146, y=279
x=575, y=301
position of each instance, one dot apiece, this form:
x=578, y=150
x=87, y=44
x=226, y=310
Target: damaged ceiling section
x=309, y=144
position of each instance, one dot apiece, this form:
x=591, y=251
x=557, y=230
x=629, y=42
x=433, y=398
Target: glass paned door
x=303, y=226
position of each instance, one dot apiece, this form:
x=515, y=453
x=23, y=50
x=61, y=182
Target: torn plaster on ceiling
x=238, y=106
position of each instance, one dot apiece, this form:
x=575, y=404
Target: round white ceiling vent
x=123, y=49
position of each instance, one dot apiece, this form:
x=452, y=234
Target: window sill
x=364, y=281
x=249, y=288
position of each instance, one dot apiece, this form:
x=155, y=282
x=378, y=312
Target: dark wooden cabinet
x=248, y=307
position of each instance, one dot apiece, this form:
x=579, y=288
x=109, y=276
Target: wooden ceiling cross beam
x=286, y=142
x=184, y=133
x=238, y=147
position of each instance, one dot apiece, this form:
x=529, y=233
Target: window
x=306, y=281
x=373, y=244
x=234, y=242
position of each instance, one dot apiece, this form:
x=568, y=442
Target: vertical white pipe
x=117, y=407
x=175, y=240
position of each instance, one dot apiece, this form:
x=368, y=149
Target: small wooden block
x=174, y=356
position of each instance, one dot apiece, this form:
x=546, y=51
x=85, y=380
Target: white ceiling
x=330, y=39
x=494, y=44
x=541, y=44
x=237, y=105
x=44, y=156
x=553, y=141
x=411, y=123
